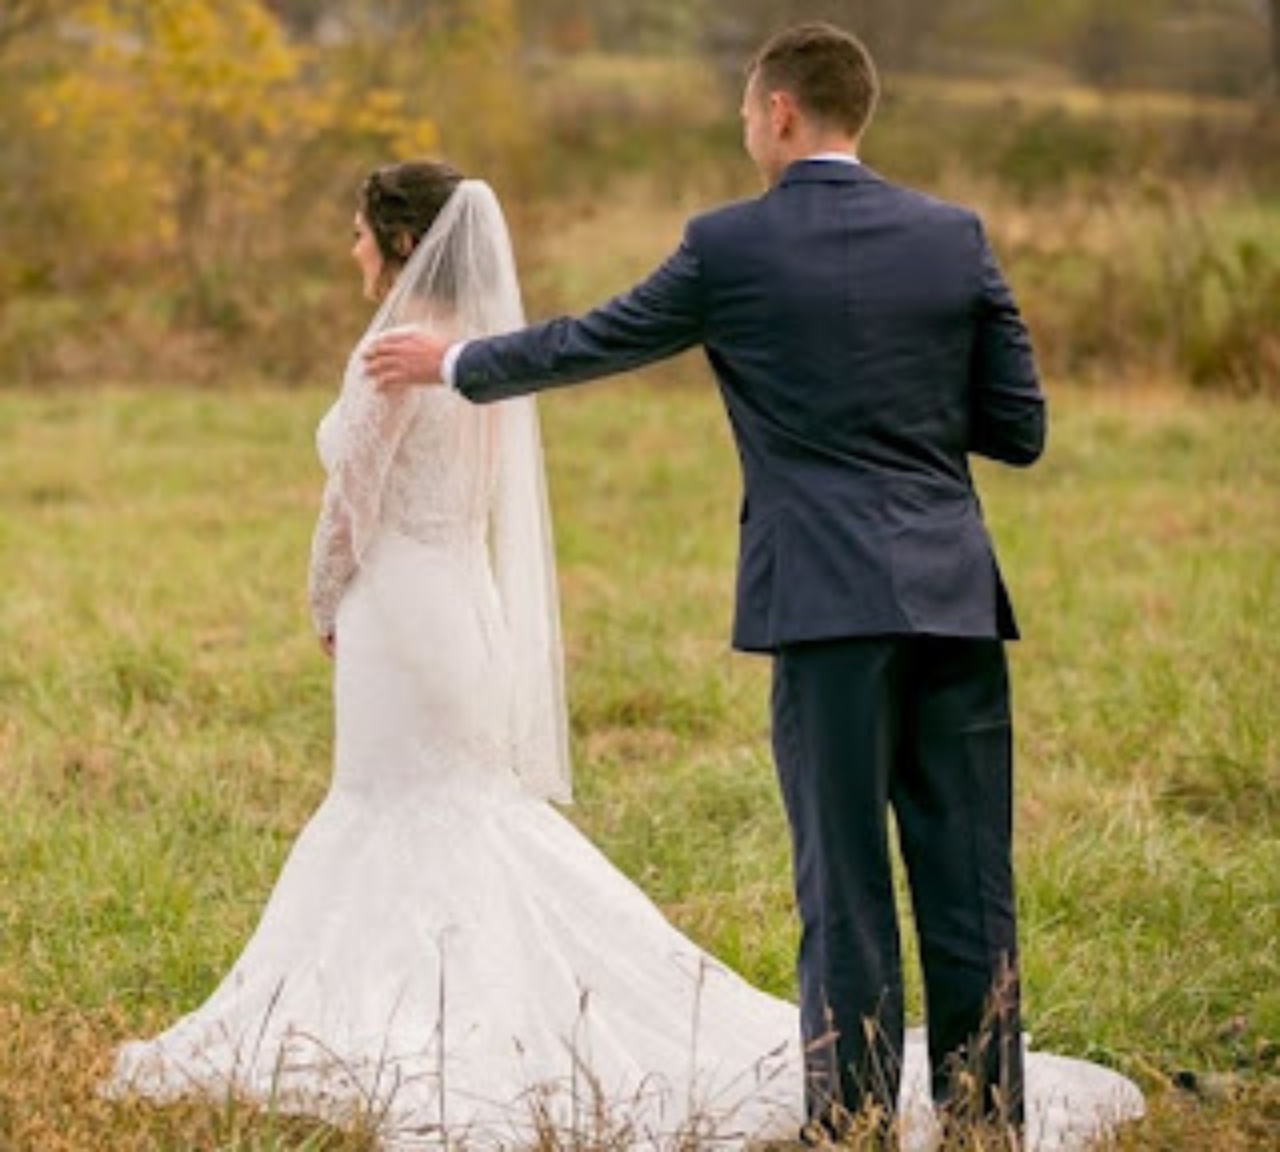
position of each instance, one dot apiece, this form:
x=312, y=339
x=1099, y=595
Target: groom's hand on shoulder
x=402, y=359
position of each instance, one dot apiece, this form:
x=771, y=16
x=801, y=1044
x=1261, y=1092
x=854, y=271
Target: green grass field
x=165, y=726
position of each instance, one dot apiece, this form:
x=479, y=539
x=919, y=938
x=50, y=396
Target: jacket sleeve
x=658, y=318
x=1007, y=418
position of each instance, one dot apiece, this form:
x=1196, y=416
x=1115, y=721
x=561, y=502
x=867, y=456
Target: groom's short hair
x=827, y=70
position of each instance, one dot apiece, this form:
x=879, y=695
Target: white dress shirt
x=450, y=361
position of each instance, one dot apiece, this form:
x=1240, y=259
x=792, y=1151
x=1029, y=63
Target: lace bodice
x=417, y=461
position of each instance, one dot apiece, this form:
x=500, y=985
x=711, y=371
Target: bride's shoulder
x=377, y=331
x=420, y=327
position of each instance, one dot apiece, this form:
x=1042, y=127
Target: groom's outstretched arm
x=658, y=318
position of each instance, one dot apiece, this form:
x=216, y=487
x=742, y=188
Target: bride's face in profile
x=366, y=254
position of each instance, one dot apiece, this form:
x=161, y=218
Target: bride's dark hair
x=399, y=202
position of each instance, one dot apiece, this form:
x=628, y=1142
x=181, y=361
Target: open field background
x=165, y=724
x=176, y=299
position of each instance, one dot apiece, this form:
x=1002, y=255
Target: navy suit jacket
x=865, y=344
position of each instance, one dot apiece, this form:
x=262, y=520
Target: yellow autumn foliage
x=177, y=176
x=178, y=127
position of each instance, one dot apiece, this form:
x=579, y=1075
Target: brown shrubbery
x=179, y=182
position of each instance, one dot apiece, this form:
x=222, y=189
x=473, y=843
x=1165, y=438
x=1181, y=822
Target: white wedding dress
x=444, y=954
x=443, y=949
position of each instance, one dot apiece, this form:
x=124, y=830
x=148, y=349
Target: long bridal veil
x=461, y=282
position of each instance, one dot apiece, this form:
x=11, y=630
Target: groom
x=865, y=346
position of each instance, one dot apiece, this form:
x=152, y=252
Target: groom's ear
x=783, y=112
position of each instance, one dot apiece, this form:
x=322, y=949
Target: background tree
x=20, y=18
x=174, y=134
x=181, y=112
x=1273, y=8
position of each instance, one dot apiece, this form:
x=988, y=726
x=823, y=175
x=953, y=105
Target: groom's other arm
x=658, y=318
x=1007, y=418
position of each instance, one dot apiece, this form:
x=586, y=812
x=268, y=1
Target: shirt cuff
x=449, y=365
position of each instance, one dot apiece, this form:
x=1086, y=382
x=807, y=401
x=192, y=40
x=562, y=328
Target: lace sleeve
x=372, y=422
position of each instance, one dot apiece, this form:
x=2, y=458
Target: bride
x=443, y=953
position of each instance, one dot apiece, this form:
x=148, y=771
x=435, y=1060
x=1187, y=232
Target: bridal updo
x=399, y=203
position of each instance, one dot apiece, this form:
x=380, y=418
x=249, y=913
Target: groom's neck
x=816, y=142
